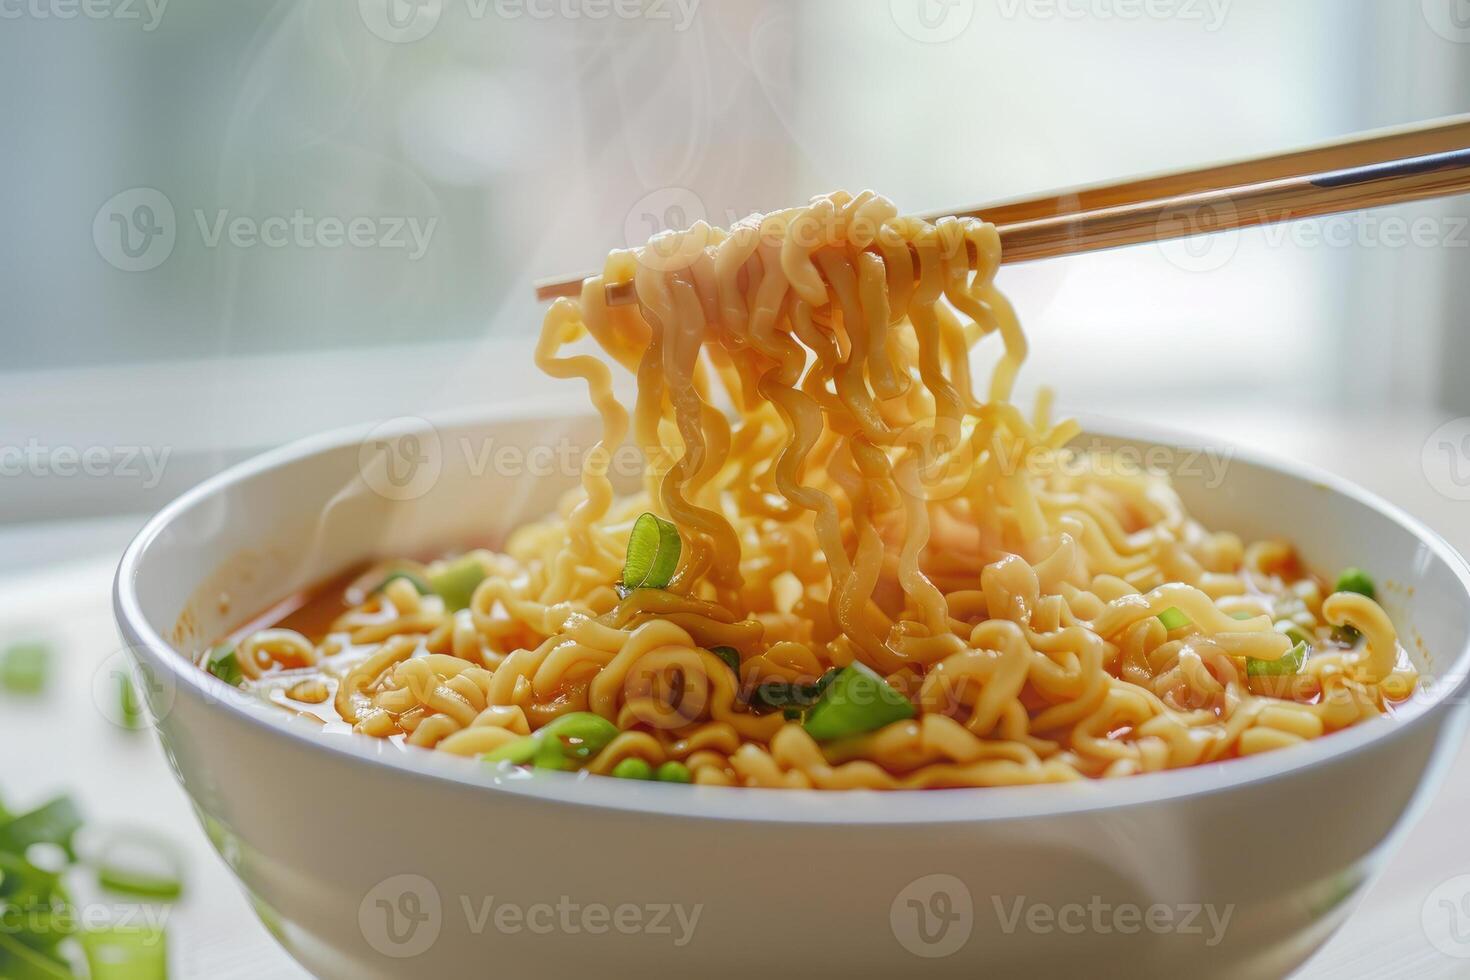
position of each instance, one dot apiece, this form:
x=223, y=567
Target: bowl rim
x=968, y=804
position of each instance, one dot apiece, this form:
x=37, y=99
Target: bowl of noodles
x=813, y=653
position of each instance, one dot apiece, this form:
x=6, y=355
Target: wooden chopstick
x=1366, y=170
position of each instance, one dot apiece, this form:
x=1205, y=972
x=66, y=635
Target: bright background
x=526, y=137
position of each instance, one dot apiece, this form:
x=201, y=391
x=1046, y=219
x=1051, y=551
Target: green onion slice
x=1294, y=631
x=589, y=732
x=1173, y=618
x=1355, y=580
x=791, y=697
x=857, y=700
x=730, y=655
x=130, y=709
x=24, y=668
x=420, y=586
x=224, y=664
x=140, y=864
x=518, y=753
x=126, y=953
x=1290, y=663
x=457, y=581
x=653, y=554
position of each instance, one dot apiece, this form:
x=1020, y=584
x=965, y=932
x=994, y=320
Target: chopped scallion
x=856, y=701
x=126, y=953
x=420, y=586
x=139, y=864
x=224, y=664
x=456, y=582
x=1173, y=618
x=653, y=554
x=130, y=710
x=730, y=655
x=1290, y=663
x=24, y=668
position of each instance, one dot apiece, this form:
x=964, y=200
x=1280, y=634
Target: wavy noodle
x=810, y=423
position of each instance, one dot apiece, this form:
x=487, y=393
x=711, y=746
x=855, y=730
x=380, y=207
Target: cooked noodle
x=843, y=493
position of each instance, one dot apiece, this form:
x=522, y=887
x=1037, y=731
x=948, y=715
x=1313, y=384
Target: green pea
x=1354, y=580
x=632, y=768
x=671, y=772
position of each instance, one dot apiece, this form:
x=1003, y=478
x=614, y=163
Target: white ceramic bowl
x=369, y=860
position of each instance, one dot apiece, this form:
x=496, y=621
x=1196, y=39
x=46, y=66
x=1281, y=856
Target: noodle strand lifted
x=887, y=575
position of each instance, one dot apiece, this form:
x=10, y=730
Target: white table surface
x=64, y=742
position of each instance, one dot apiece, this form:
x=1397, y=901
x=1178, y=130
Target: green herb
x=857, y=700
x=1242, y=614
x=1173, y=618
x=53, y=823
x=672, y=772
x=730, y=655
x=633, y=768
x=139, y=864
x=1355, y=580
x=559, y=744
x=791, y=697
x=420, y=586
x=130, y=711
x=457, y=581
x=1345, y=635
x=19, y=961
x=518, y=753
x=1294, y=631
x=24, y=668
x=224, y=664
x=653, y=555
x=126, y=953
x=1290, y=663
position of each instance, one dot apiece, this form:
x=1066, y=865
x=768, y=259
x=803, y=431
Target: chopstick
x=1366, y=170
